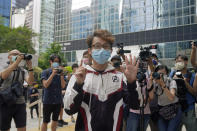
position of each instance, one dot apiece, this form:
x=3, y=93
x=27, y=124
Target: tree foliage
x=17, y=38
x=43, y=60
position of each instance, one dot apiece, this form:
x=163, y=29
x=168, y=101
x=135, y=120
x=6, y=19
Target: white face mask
x=179, y=65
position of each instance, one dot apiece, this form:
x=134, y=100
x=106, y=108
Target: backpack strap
x=18, y=73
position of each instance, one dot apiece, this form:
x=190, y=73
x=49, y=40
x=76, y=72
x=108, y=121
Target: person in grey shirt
x=165, y=88
x=8, y=76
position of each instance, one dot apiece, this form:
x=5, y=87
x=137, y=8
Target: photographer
x=190, y=79
x=97, y=92
x=14, y=74
x=169, y=108
x=133, y=121
x=53, y=81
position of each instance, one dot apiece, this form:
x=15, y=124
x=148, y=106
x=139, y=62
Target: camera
x=145, y=52
x=144, y=55
x=121, y=51
x=27, y=57
x=195, y=43
x=141, y=77
x=117, y=64
x=59, y=71
x=156, y=75
x=179, y=74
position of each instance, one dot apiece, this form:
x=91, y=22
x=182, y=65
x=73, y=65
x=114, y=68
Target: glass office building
x=5, y=6
x=46, y=24
x=17, y=4
x=173, y=23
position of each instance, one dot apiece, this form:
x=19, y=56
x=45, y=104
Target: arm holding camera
x=170, y=93
x=150, y=63
x=193, y=90
x=63, y=83
x=151, y=87
x=4, y=74
x=195, y=85
x=47, y=82
x=30, y=78
x=193, y=55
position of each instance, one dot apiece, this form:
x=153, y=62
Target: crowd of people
x=106, y=94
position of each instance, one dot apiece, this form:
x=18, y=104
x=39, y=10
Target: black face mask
x=116, y=64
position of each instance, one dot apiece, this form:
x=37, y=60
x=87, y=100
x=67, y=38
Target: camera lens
x=27, y=57
x=156, y=75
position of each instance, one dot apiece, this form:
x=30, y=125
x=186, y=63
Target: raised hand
x=80, y=75
x=131, y=69
x=193, y=46
x=29, y=64
x=19, y=58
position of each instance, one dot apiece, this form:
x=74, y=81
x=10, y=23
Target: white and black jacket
x=99, y=101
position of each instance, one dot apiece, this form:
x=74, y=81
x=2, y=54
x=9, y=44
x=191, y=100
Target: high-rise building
x=32, y=20
x=47, y=23
x=169, y=23
x=17, y=4
x=18, y=18
x=5, y=9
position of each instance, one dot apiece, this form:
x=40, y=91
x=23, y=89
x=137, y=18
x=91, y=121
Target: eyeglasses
x=104, y=46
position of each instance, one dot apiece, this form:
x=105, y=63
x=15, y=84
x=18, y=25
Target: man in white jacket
x=97, y=92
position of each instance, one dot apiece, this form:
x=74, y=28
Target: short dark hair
x=183, y=57
x=54, y=56
x=74, y=66
x=154, y=55
x=103, y=34
x=85, y=52
x=161, y=67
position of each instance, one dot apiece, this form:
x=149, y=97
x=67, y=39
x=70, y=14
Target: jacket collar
x=109, y=68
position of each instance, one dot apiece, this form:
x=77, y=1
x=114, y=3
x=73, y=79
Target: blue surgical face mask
x=14, y=58
x=154, y=62
x=101, y=56
x=55, y=65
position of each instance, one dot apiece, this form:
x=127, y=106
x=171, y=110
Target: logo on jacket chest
x=115, y=79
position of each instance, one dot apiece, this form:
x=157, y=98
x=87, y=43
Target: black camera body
x=117, y=64
x=121, y=50
x=195, y=43
x=59, y=71
x=145, y=52
x=179, y=74
x=156, y=75
x=27, y=57
x=141, y=77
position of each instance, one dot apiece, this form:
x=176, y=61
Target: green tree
x=43, y=60
x=17, y=38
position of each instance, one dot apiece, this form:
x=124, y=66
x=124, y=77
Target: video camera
x=144, y=55
x=121, y=51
